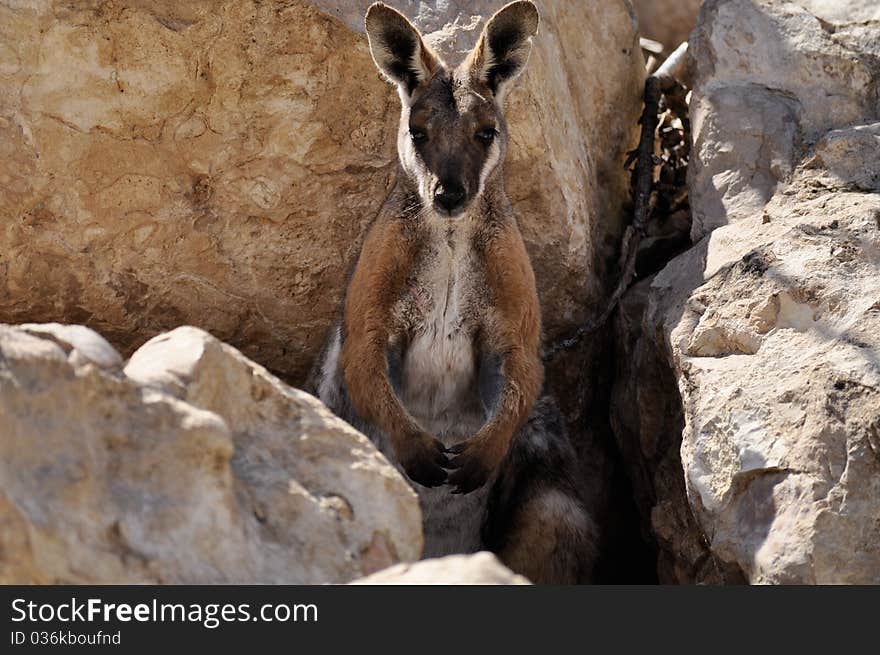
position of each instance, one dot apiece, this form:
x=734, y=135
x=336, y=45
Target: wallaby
x=436, y=354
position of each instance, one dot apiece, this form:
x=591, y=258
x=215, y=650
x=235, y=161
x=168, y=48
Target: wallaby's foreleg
x=378, y=281
x=512, y=334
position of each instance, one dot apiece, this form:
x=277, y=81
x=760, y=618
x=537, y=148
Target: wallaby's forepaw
x=423, y=459
x=473, y=465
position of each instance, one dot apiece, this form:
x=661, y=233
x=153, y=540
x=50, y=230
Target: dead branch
x=664, y=81
x=675, y=69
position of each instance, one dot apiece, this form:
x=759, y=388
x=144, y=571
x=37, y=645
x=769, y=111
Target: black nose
x=449, y=196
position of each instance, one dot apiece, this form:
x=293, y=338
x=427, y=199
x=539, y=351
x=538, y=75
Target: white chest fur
x=438, y=366
x=438, y=389
x=437, y=382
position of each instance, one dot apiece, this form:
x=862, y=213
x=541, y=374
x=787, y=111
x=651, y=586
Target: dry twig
x=665, y=82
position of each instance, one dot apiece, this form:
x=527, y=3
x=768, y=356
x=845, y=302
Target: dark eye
x=488, y=135
x=417, y=135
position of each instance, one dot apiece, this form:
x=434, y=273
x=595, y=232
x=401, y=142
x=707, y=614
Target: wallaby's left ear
x=504, y=46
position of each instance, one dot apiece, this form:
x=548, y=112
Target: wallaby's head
x=452, y=134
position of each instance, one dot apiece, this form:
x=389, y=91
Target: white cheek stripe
x=489, y=165
x=414, y=166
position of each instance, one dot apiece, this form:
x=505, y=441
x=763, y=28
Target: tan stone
x=191, y=465
x=843, y=11
x=479, y=569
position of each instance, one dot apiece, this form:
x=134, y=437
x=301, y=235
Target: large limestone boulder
x=215, y=163
x=479, y=569
x=191, y=464
x=769, y=327
x=756, y=110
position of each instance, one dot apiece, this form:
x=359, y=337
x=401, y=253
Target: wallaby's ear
x=398, y=49
x=504, y=46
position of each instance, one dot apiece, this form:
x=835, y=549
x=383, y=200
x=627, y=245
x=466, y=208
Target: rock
x=190, y=465
x=216, y=163
x=769, y=325
x=733, y=178
x=849, y=157
x=843, y=11
x=647, y=420
x=668, y=21
x=817, y=82
x=82, y=345
x=671, y=21
x=479, y=569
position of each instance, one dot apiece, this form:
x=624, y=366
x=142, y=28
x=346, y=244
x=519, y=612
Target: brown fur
x=513, y=329
x=511, y=326
x=543, y=544
x=378, y=281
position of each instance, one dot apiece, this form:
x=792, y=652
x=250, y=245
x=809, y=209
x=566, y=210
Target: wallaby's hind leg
x=536, y=521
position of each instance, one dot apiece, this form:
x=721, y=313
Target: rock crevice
x=766, y=330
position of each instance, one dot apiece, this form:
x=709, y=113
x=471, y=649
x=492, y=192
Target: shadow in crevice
x=627, y=554
x=646, y=416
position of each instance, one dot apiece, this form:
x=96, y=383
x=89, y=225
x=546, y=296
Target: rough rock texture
x=215, y=163
x=668, y=21
x=843, y=11
x=671, y=21
x=770, y=324
x=190, y=465
x=757, y=108
x=478, y=569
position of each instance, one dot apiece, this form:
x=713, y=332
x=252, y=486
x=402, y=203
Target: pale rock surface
x=841, y=12
x=190, y=465
x=479, y=569
x=770, y=80
x=770, y=325
x=216, y=163
x=671, y=21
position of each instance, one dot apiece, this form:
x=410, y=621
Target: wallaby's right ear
x=504, y=46
x=398, y=49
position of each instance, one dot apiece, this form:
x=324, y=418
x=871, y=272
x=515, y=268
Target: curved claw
x=469, y=475
x=426, y=466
